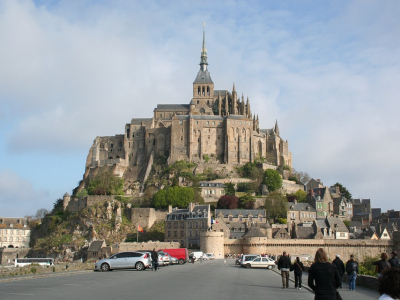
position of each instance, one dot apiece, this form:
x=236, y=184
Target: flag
x=140, y=228
x=213, y=221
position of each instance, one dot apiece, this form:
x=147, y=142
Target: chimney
x=191, y=206
x=169, y=209
x=318, y=180
x=295, y=201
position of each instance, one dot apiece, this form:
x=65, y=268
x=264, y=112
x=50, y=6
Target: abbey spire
x=203, y=58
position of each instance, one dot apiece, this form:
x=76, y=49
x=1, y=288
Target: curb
x=17, y=278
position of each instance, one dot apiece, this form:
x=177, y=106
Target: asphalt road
x=207, y=280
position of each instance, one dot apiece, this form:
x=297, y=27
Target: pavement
x=223, y=275
x=361, y=293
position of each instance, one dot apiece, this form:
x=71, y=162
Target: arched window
x=198, y=91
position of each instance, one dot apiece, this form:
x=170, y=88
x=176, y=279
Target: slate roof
x=254, y=232
x=212, y=184
x=336, y=224
x=139, y=121
x=206, y=117
x=300, y=207
x=236, y=212
x=169, y=107
x=199, y=211
x=305, y=232
x=321, y=223
x=203, y=77
x=221, y=92
x=95, y=246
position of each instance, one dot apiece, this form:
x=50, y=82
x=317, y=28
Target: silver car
x=124, y=260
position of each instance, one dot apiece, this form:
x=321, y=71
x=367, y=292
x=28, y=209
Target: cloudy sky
x=328, y=71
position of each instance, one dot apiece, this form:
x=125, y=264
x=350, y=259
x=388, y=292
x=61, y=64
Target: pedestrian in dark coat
x=285, y=266
x=352, y=271
x=382, y=264
x=394, y=261
x=323, y=277
x=298, y=273
x=339, y=264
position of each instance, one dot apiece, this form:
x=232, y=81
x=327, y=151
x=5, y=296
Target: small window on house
x=180, y=122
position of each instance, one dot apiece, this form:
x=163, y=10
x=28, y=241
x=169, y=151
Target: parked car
x=197, y=254
x=174, y=260
x=246, y=258
x=160, y=258
x=210, y=255
x=260, y=262
x=165, y=258
x=124, y=260
x=180, y=253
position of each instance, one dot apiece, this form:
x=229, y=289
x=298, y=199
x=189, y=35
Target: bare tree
x=40, y=213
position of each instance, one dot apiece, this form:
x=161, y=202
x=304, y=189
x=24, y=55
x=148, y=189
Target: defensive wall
x=360, y=248
x=145, y=246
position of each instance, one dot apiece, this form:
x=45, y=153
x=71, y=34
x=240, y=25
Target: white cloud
x=329, y=74
x=18, y=197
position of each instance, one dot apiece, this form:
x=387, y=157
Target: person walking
x=339, y=264
x=352, y=271
x=394, y=261
x=382, y=264
x=298, y=273
x=154, y=259
x=323, y=277
x=285, y=265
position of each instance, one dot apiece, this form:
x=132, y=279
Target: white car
x=210, y=255
x=260, y=262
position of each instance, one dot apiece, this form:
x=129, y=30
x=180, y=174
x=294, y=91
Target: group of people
x=325, y=278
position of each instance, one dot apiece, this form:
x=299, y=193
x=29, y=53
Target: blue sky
x=328, y=71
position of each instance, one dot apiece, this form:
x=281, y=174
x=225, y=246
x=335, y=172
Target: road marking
x=17, y=294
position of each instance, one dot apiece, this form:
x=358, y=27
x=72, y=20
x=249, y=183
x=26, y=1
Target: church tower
x=203, y=86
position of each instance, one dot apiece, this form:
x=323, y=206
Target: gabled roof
x=300, y=207
x=96, y=245
x=305, y=232
x=336, y=224
x=236, y=212
x=169, y=107
x=254, y=232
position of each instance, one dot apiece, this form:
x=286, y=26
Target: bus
x=21, y=262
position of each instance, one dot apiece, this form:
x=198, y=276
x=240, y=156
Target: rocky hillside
x=66, y=236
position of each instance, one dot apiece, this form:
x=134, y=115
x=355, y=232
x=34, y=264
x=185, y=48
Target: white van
x=197, y=254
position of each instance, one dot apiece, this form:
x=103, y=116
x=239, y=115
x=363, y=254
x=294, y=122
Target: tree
x=303, y=177
x=230, y=189
x=273, y=180
x=228, y=202
x=276, y=206
x=176, y=196
x=106, y=183
x=159, y=199
x=246, y=202
x=301, y=196
x=343, y=191
x=40, y=213
x=57, y=206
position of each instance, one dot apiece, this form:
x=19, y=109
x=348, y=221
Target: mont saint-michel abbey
x=216, y=124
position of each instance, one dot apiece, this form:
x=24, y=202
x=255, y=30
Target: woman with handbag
x=324, y=278
x=298, y=273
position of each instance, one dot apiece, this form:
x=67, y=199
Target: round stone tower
x=66, y=199
x=212, y=242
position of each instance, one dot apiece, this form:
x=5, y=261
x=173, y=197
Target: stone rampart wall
x=360, y=248
x=146, y=217
x=145, y=246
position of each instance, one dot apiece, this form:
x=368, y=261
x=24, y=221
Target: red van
x=180, y=253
